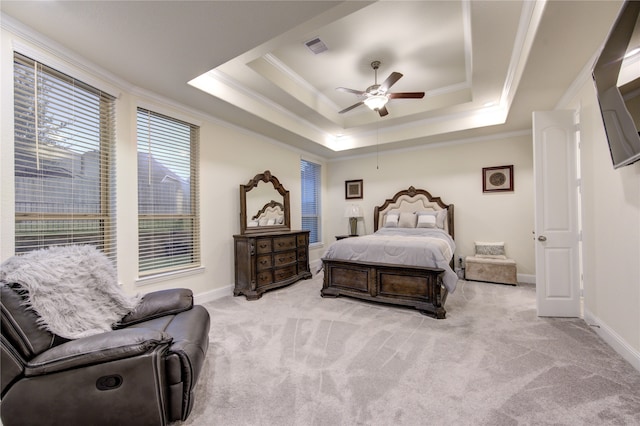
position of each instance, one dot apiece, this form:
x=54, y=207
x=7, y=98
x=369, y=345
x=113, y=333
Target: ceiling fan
x=376, y=96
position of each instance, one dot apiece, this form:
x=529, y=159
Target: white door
x=556, y=214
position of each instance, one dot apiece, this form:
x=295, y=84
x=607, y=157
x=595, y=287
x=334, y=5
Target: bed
x=407, y=261
x=272, y=213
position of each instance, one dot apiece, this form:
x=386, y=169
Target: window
x=64, y=160
x=168, y=221
x=310, y=177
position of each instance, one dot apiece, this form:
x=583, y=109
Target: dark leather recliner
x=141, y=373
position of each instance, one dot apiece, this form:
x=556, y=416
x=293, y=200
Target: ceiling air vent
x=316, y=46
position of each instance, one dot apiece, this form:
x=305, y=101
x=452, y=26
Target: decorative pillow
x=441, y=219
x=407, y=220
x=440, y=215
x=490, y=250
x=391, y=220
x=426, y=221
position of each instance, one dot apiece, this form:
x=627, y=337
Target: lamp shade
x=353, y=211
x=376, y=102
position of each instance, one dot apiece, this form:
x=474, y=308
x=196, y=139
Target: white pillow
x=391, y=221
x=426, y=221
x=407, y=220
x=440, y=215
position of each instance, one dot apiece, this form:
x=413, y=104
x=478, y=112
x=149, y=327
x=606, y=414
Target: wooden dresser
x=269, y=260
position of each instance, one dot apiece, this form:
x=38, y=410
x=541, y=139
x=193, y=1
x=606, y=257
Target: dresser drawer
x=264, y=278
x=302, y=255
x=284, y=273
x=284, y=243
x=263, y=245
x=264, y=262
x=284, y=258
x=302, y=240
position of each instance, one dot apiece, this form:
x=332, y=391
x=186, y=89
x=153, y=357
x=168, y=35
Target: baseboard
x=613, y=339
x=315, y=266
x=526, y=278
x=212, y=295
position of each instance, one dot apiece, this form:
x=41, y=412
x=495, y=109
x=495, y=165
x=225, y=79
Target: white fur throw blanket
x=73, y=289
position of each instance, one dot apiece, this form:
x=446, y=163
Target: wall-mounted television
x=616, y=75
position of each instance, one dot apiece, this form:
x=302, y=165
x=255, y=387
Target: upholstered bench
x=490, y=264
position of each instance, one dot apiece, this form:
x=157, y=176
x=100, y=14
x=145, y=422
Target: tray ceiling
x=484, y=65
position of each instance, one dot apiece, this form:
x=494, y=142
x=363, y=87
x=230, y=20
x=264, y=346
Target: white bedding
x=429, y=247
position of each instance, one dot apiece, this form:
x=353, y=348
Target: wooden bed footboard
x=410, y=286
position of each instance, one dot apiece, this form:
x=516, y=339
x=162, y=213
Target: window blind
x=64, y=160
x=168, y=213
x=310, y=178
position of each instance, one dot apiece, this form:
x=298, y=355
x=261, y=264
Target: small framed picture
x=353, y=189
x=495, y=179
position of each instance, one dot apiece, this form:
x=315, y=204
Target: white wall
x=228, y=157
x=611, y=233
x=454, y=173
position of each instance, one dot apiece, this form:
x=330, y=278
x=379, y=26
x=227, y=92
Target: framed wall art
x=353, y=189
x=496, y=179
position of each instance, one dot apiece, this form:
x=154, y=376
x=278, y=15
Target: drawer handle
x=263, y=245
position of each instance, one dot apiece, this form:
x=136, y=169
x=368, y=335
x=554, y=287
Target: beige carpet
x=294, y=358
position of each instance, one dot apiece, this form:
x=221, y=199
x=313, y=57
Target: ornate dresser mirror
x=268, y=254
x=264, y=205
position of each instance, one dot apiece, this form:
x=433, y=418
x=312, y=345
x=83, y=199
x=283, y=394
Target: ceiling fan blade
x=383, y=111
x=345, y=89
x=412, y=95
x=390, y=81
x=351, y=107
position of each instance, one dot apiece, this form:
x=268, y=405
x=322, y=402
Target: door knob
x=542, y=238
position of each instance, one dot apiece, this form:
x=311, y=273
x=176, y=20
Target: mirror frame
x=253, y=183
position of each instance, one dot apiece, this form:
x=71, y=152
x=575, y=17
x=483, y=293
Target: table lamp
x=353, y=212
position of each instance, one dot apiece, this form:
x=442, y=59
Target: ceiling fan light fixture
x=376, y=102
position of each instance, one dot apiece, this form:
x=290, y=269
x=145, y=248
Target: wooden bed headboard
x=412, y=200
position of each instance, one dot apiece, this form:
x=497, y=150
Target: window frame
x=59, y=122
x=150, y=264
x=313, y=177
